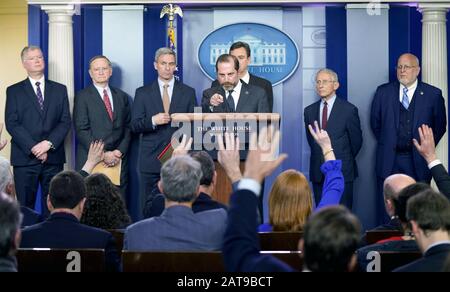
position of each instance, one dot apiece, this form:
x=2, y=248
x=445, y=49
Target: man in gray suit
x=178, y=228
x=102, y=112
x=233, y=95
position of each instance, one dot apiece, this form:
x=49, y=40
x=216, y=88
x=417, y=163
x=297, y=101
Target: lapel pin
x=421, y=93
x=246, y=92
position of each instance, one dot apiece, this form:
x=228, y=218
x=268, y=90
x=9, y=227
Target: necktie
x=166, y=100
x=39, y=95
x=230, y=101
x=107, y=104
x=405, y=99
x=324, y=115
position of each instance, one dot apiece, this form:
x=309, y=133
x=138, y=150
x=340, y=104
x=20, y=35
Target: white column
x=60, y=57
x=434, y=57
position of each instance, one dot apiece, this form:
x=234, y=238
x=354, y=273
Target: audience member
x=429, y=215
x=392, y=186
x=396, y=243
x=290, y=200
x=104, y=206
x=66, y=200
x=322, y=250
x=30, y=216
x=9, y=233
x=178, y=228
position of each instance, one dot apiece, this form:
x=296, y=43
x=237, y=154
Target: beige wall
x=14, y=34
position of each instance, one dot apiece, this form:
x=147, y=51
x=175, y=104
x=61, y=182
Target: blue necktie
x=230, y=101
x=405, y=100
x=39, y=95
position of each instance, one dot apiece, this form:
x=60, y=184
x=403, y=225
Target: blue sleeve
x=333, y=186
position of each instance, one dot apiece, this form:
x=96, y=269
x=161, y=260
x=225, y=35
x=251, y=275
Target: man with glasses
x=399, y=108
x=38, y=118
x=102, y=112
x=341, y=120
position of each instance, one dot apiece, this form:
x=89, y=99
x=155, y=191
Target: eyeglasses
x=324, y=82
x=404, y=67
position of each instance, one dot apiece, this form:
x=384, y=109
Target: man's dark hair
x=331, y=237
x=238, y=45
x=405, y=194
x=10, y=220
x=227, y=58
x=431, y=211
x=67, y=189
x=207, y=164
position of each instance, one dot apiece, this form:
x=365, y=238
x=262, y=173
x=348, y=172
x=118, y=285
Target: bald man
x=399, y=108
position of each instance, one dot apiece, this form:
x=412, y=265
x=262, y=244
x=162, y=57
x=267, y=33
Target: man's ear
x=352, y=263
x=160, y=188
x=49, y=204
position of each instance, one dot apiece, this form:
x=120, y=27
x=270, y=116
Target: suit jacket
x=147, y=103
x=30, y=217
x=28, y=125
x=432, y=261
x=442, y=179
x=241, y=242
x=204, y=202
x=344, y=130
x=62, y=230
x=92, y=122
x=260, y=82
x=178, y=229
x=384, y=121
x=253, y=99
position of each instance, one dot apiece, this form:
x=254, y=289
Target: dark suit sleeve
x=263, y=104
x=354, y=132
x=269, y=90
x=81, y=121
x=442, y=179
x=140, y=121
x=13, y=124
x=124, y=144
x=440, y=118
x=241, y=243
x=375, y=114
x=59, y=133
x=206, y=101
x=307, y=122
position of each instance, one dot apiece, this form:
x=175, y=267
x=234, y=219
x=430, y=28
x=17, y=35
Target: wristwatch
x=51, y=145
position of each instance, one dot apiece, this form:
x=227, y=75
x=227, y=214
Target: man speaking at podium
x=233, y=96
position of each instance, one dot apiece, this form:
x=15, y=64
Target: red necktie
x=107, y=104
x=324, y=115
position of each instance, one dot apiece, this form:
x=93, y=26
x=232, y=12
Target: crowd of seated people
x=82, y=208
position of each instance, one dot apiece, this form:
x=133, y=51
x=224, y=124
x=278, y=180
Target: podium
x=205, y=127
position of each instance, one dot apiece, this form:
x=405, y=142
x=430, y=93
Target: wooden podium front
x=223, y=187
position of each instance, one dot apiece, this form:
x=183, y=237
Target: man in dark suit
x=242, y=52
x=429, y=216
x=398, y=109
x=102, y=112
x=178, y=227
x=341, y=120
x=38, y=118
x=233, y=95
x=153, y=104
x=63, y=229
